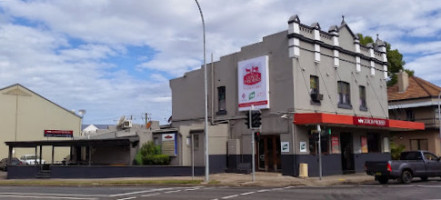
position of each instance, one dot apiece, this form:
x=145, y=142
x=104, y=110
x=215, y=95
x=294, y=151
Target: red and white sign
x=168, y=137
x=335, y=145
x=365, y=121
x=58, y=133
x=253, y=83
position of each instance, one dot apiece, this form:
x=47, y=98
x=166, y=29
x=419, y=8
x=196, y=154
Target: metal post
x=192, y=156
x=207, y=166
x=439, y=118
x=319, y=151
x=253, y=161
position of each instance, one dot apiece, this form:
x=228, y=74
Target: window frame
x=342, y=93
x=314, y=90
x=362, y=95
x=221, y=100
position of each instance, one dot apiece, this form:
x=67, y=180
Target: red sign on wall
x=365, y=121
x=58, y=133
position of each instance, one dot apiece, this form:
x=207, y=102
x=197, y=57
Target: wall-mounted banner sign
x=253, y=83
x=58, y=133
x=365, y=121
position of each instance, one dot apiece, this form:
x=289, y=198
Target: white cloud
x=37, y=48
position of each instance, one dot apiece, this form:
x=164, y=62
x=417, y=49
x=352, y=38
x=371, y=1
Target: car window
x=430, y=156
x=411, y=156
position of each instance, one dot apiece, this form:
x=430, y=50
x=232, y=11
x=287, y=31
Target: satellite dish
x=81, y=112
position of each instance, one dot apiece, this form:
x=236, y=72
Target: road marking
x=265, y=190
x=172, y=191
x=140, y=192
x=229, y=197
x=247, y=193
x=127, y=198
x=46, y=197
x=150, y=195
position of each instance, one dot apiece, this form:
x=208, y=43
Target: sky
x=115, y=58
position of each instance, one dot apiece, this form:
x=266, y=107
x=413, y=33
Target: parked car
x=4, y=163
x=31, y=159
x=422, y=164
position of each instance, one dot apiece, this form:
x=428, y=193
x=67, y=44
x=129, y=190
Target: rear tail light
x=389, y=168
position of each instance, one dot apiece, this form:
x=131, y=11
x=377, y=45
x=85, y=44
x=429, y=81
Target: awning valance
x=355, y=121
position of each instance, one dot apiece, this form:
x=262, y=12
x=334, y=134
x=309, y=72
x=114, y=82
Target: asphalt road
x=417, y=190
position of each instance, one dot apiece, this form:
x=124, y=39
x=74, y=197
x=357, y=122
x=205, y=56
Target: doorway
x=347, y=153
x=268, y=153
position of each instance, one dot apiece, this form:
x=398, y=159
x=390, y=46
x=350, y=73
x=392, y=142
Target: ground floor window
x=419, y=144
x=373, y=142
x=313, y=143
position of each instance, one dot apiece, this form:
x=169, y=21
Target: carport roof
x=76, y=142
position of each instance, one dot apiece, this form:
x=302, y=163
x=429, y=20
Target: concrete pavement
x=263, y=179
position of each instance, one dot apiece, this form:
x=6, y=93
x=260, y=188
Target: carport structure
x=76, y=144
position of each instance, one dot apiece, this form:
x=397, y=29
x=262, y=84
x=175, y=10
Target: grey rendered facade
x=295, y=57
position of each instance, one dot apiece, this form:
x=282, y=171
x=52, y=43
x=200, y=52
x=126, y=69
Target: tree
x=395, y=61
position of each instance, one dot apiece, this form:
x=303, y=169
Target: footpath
x=262, y=179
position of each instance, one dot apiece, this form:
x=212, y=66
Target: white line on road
x=46, y=197
x=247, y=193
x=229, y=197
x=150, y=195
x=127, y=198
x=140, y=192
x=265, y=190
x=172, y=191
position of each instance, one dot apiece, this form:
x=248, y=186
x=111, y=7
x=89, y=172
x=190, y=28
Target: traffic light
x=247, y=119
x=255, y=119
x=257, y=136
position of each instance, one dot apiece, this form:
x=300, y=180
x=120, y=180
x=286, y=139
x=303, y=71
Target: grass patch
x=96, y=182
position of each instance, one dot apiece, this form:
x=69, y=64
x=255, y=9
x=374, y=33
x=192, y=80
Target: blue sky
x=115, y=57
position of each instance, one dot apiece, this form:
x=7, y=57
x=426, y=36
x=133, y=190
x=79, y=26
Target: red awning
x=355, y=121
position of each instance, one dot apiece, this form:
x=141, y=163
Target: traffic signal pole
x=319, y=150
x=253, y=162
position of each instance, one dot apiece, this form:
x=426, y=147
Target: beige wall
x=432, y=137
x=24, y=117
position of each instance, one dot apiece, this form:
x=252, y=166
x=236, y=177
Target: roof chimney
x=403, y=81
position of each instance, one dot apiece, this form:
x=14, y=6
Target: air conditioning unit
x=127, y=124
x=316, y=96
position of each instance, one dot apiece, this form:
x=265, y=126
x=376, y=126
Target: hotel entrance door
x=268, y=153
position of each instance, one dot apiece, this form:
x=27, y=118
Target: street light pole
x=439, y=117
x=205, y=101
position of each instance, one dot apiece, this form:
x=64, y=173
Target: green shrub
x=138, y=158
x=395, y=150
x=150, y=154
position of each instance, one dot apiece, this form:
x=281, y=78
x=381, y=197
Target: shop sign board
x=303, y=147
x=253, y=83
x=284, y=147
x=169, y=144
x=366, y=121
x=58, y=133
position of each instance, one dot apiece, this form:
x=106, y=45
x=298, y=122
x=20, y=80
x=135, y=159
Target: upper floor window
x=363, y=104
x=344, y=95
x=410, y=116
x=315, y=89
x=221, y=101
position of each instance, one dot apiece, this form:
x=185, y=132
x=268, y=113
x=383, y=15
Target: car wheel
x=406, y=177
x=424, y=178
x=383, y=179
